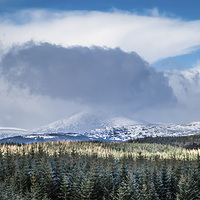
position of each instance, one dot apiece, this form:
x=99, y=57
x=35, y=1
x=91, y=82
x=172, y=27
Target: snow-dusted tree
x=165, y=182
x=65, y=188
x=188, y=189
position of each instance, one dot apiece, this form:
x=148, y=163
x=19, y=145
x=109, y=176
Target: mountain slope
x=91, y=126
x=11, y=132
x=126, y=132
x=85, y=122
x=101, y=127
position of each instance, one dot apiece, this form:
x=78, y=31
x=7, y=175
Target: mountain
x=105, y=128
x=90, y=126
x=85, y=122
x=11, y=132
x=126, y=132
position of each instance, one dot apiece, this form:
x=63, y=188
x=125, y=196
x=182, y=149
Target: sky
x=137, y=58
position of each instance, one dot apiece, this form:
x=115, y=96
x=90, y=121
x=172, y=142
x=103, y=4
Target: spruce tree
x=87, y=189
x=65, y=188
x=187, y=189
x=97, y=183
x=173, y=184
x=157, y=182
x=165, y=182
x=35, y=188
x=127, y=191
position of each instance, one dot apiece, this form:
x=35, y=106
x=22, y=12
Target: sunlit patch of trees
x=99, y=171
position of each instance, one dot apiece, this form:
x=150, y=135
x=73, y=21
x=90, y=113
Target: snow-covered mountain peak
x=91, y=126
x=77, y=123
x=99, y=126
x=84, y=122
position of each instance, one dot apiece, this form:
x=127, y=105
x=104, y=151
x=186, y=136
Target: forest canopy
x=96, y=170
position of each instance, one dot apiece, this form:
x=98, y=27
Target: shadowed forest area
x=188, y=142
x=101, y=171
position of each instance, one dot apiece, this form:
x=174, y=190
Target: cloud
x=186, y=88
x=41, y=83
x=152, y=37
x=186, y=85
x=21, y=109
x=108, y=79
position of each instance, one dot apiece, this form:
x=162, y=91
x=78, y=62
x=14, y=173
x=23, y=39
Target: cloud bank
x=186, y=87
x=95, y=78
x=61, y=72
x=91, y=76
x=152, y=37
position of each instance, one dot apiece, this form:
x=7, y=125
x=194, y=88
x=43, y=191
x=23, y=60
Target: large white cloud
x=186, y=85
x=186, y=88
x=152, y=37
x=106, y=79
x=39, y=85
x=43, y=83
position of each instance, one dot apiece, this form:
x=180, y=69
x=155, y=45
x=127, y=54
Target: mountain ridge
x=86, y=121
x=90, y=126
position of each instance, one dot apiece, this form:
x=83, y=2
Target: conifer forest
x=132, y=170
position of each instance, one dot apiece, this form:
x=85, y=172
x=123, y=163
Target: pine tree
x=148, y=186
x=65, y=188
x=135, y=193
x=196, y=174
x=108, y=189
x=2, y=191
x=187, y=189
x=56, y=176
x=126, y=191
x=114, y=178
x=76, y=177
x=157, y=182
x=173, y=184
x=35, y=189
x=97, y=183
x=123, y=173
x=45, y=181
x=152, y=194
x=87, y=189
x=139, y=183
x=165, y=182
x=2, y=172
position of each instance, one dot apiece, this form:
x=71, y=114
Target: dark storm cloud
x=92, y=76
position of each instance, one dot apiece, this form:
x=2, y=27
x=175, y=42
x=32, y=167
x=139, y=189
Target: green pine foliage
x=65, y=189
x=98, y=171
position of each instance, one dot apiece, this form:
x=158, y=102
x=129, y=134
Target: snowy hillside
x=101, y=127
x=126, y=132
x=104, y=128
x=85, y=122
x=11, y=132
x=90, y=126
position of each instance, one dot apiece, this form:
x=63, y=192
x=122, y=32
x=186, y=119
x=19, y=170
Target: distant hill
x=87, y=126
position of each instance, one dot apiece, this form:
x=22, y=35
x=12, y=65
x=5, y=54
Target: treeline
x=188, y=142
x=99, y=171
